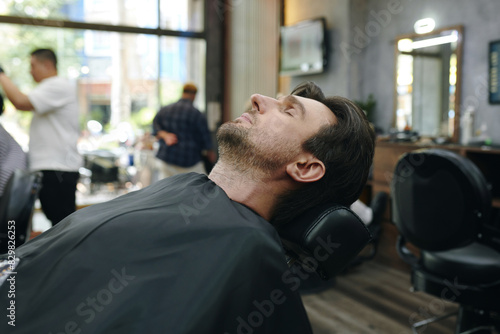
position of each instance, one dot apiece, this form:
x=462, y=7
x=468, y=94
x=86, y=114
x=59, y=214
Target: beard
x=237, y=148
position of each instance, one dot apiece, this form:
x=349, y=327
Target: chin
x=232, y=134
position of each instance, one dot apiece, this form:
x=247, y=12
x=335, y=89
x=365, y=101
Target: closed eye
x=290, y=111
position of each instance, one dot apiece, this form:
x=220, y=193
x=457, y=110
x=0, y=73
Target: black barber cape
x=176, y=257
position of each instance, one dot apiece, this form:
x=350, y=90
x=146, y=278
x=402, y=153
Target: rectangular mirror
x=427, y=83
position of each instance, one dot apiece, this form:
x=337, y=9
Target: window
x=177, y=15
x=125, y=67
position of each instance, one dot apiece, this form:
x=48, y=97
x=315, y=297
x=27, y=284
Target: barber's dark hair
x=346, y=148
x=45, y=54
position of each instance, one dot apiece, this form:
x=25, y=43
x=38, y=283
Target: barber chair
x=16, y=208
x=441, y=204
x=324, y=239
x=102, y=166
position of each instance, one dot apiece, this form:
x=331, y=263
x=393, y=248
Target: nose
x=260, y=102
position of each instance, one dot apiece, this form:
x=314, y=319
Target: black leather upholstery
x=325, y=238
x=17, y=205
x=473, y=264
x=441, y=203
x=440, y=199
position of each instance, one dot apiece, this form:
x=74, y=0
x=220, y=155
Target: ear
x=307, y=169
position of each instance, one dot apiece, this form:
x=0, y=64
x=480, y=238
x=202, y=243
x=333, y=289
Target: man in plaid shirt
x=183, y=135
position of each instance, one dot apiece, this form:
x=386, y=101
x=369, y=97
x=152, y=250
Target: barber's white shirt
x=54, y=128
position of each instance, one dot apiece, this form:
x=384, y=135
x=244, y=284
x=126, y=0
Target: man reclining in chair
x=191, y=253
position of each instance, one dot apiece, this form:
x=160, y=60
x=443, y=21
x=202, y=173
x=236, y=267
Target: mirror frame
x=460, y=29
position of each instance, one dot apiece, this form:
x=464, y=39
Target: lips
x=246, y=117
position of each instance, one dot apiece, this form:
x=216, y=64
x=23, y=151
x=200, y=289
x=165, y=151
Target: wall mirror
x=427, y=83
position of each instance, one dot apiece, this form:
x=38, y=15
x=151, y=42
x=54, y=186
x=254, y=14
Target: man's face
x=271, y=134
x=38, y=69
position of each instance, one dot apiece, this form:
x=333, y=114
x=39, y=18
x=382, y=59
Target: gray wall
x=374, y=63
x=355, y=72
x=252, y=49
x=336, y=13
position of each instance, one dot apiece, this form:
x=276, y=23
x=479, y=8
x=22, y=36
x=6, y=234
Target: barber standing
x=183, y=135
x=54, y=132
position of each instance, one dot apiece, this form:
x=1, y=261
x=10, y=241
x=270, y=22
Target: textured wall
x=336, y=13
x=357, y=71
x=376, y=60
x=253, y=46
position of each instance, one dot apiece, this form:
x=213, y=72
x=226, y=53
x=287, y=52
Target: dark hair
x=2, y=107
x=45, y=54
x=346, y=149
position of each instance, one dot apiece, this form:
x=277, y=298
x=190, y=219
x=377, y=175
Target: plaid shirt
x=191, y=129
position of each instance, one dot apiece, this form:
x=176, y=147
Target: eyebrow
x=295, y=101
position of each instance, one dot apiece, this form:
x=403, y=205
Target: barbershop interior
x=417, y=252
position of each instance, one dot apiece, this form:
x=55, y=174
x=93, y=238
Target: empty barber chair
x=441, y=205
x=102, y=167
x=324, y=240
x=16, y=208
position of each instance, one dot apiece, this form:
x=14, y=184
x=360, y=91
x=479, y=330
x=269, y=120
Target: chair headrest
x=325, y=238
x=439, y=199
x=17, y=204
x=17, y=192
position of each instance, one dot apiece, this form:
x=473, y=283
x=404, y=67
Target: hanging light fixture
x=423, y=26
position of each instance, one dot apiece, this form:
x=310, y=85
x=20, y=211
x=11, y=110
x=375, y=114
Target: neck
x=258, y=191
x=49, y=75
x=187, y=96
